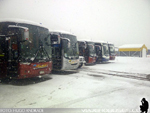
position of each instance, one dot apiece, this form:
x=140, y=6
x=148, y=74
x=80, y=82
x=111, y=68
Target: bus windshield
x=73, y=50
x=105, y=49
x=111, y=48
x=36, y=48
x=91, y=49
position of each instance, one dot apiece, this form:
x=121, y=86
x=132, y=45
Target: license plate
x=41, y=72
x=72, y=61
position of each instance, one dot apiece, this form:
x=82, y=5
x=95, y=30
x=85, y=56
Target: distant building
x=133, y=50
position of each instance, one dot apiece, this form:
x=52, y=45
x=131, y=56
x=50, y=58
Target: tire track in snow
x=18, y=103
x=120, y=74
x=101, y=93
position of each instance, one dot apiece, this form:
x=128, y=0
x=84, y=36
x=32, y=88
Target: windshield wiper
x=44, y=52
x=74, y=49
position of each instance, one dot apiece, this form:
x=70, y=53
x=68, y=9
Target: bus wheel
x=5, y=80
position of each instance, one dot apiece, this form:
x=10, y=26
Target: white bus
x=65, y=51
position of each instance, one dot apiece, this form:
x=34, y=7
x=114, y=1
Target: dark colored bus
x=82, y=47
x=102, y=51
x=25, y=49
x=87, y=49
x=112, y=53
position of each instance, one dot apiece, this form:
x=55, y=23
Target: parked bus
x=65, y=51
x=111, y=51
x=88, y=50
x=102, y=51
x=82, y=47
x=25, y=49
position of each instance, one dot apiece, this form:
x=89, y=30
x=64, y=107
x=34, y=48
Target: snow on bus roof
x=95, y=41
x=61, y=31
x=99, y=41
x=110, y=43
x=16, y=20
x=83, y=40
x=131, y=46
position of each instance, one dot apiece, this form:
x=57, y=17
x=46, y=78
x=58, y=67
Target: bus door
x=86, y=52
x=16, y=35
x=12, y=55
x=92, y=54
x=3, y=63
x=8, y=56
x=56, y=51
x=82, y=47
x=98, y=53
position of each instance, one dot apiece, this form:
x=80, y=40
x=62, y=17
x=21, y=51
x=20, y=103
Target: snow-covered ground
x=128, y=64
x=116, y=85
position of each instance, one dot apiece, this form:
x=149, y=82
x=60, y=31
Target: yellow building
x=133, y=50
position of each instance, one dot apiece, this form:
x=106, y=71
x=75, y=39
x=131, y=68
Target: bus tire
x=5, y=80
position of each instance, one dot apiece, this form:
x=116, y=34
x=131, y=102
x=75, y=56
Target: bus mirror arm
x=26, y=31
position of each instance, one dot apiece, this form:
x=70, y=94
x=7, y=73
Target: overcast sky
x=117, y=21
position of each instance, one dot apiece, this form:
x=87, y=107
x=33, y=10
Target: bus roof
x=15, y=20
x=85, y=40
x=110, y=43
x=99, y=41
x=62, y=32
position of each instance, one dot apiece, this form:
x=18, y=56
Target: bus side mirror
x=25, y=31
x=67, y=41
x=68, y=44
x=26, y=34
x=55, y=39
x=99, y=47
